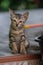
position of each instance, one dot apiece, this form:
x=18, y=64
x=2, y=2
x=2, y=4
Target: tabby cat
x=17, y=39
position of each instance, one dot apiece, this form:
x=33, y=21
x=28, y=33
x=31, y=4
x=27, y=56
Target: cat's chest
x=18, y=38
x=17, y=34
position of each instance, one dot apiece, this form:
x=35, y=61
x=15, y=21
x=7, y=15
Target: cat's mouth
x=19, y=25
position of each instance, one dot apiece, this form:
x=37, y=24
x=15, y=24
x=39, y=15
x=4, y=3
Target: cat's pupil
x=14, y=20
x=16, y=24
x=20, y=21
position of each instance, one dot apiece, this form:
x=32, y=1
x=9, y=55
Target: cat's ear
x=11, y=12
x=25, y=16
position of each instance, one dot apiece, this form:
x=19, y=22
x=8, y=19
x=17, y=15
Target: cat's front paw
x=14, y=51
x=23, y=49
x=23, y=52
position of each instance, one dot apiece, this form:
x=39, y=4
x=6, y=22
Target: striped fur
x=17, y=39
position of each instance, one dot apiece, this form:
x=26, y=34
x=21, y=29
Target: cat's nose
x=16, y=24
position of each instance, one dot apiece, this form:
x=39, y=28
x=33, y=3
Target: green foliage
x=18, y=4
x=4, y=5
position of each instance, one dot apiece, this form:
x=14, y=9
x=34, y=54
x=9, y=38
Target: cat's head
x=18, y=20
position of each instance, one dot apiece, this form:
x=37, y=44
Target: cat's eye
x=20, y=21
x=14, y=20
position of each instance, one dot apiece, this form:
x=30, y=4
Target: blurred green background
x=20, y=4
